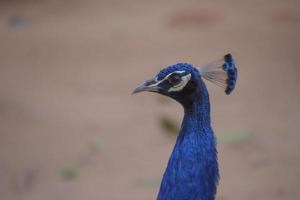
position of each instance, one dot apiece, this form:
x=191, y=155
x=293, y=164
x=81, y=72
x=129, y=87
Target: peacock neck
x=197, y=113
x=192, y=172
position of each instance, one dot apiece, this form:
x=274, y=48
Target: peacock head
x=182, y=81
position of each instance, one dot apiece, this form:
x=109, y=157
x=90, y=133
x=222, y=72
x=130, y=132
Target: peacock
x=192, y=171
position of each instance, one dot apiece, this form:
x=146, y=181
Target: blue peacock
x=192, y=172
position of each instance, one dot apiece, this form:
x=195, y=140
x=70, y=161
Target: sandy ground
x=67, y=69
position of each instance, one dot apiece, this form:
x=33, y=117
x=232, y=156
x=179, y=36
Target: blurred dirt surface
x=67, y=69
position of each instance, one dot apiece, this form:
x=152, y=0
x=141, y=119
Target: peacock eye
x=174, y=79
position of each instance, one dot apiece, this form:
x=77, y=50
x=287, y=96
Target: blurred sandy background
x=70, y=130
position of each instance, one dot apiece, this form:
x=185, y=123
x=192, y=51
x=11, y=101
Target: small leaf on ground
x=16, y=21
x=70, y=172
x=169, y=125
x=148, y=183
x=233, y=137
x=95, y=147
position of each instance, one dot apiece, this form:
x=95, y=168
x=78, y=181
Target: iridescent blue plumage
x=192, y=172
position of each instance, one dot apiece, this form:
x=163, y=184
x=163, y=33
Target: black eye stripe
x=179, y=74
x=169, y=79
x=174, y=75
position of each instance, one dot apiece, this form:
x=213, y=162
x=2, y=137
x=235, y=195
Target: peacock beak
x=149, y=85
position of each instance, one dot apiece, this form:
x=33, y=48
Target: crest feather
x=222, y=72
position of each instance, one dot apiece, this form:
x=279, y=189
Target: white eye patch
x=165, y=78
x=184, y=80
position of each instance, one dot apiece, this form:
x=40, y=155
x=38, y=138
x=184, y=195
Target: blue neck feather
x=192, y=171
